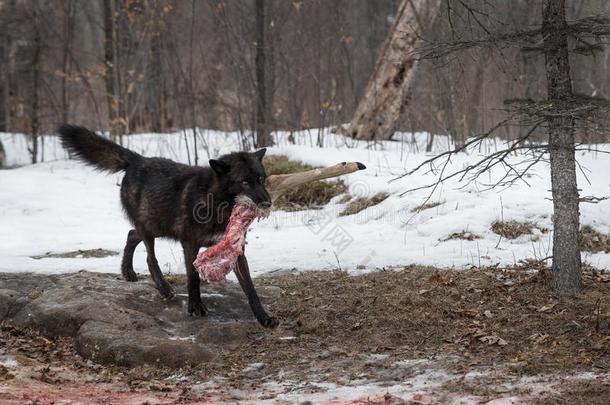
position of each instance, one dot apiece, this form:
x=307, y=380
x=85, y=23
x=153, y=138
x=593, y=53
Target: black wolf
x=190, y=204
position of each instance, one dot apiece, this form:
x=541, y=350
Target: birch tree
x=386, y=92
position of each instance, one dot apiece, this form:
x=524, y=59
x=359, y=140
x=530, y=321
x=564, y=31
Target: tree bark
x=566, y=250
x=385, y=93
x=263, y=136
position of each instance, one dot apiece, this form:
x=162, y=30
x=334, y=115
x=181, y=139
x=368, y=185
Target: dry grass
x=590, y=239
x=426, y=206
x=280, y=164
x=593, y=241
x=362, y=203
x=512, y=229
x=85, y=253
x=464, y=235
x=308, y=196
x=345, y=199
x=171, y=278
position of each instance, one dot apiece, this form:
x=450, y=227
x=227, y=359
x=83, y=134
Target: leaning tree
x=386, y=92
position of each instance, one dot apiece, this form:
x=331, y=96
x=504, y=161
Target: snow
x=62, y=205
x=9, y=362
x=425, y=381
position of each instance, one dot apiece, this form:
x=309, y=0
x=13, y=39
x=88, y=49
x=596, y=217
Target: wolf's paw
x=270, y=322
x=166, y=291
x=197, y=308
x=129, y=275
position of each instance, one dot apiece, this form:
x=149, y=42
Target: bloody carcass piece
x=214, y=263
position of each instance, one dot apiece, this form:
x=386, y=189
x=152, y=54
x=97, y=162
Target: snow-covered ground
x=61, y=205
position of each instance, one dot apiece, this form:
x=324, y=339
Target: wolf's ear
x=260, y=153
x=219, y=167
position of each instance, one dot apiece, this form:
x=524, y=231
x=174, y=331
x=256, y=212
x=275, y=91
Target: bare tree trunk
x=270, y=67
x=430, y=142
x=2, y=156
x=121, y=92
x=446, y=105
x=9, y=74
x=263, y=136
x=35, y=104
x=566, y=251
x=4, y=83
x=112, y=98
x=155, y=81
x=385, y=93
x=191, y=86
x=68, y=35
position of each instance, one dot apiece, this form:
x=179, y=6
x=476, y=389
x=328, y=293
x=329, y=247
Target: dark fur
x=190, y=204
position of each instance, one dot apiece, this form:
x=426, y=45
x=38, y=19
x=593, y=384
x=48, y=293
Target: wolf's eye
x=261, y=179
x=244, y=183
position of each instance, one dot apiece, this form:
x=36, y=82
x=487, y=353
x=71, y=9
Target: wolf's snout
x=265, y=204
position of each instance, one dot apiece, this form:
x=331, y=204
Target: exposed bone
x=278, y=184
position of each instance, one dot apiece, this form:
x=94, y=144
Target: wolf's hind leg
x=133, y=240
x=163, y=286
x=195, y=305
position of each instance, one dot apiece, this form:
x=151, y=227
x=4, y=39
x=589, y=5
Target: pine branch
x=530, y=40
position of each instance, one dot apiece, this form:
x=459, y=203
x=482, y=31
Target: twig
x=592, y=199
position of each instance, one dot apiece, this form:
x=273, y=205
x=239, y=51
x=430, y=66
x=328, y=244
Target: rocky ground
x=411, y=335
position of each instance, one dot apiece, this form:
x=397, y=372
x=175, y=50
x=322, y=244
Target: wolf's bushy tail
x=95, y=150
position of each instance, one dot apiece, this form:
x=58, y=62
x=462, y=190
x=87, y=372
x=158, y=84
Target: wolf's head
x=243, y=174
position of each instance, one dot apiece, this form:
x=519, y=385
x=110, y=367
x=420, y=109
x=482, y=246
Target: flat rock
x=117, y=322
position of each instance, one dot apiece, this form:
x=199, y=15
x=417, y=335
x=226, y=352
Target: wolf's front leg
x=195, y=305
x=243, y=275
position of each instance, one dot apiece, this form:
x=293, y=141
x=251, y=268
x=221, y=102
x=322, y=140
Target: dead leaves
x=595, y=275
x=544, y=309
x=489, y=339
x=538, y=338
x=493, y=340
x=5, y=373
x=442, y=278
x=547, y=308
x=470, y=313
x=478, y=335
